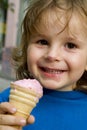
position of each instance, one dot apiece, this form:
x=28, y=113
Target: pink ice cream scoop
x=32, y=84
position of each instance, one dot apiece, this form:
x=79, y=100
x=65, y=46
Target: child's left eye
x=70, y=45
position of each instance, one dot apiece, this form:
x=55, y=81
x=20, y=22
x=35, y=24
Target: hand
x=8, y=121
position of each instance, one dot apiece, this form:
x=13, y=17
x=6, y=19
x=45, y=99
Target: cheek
x=77, y=68
x=77, y=63
x=32, y=56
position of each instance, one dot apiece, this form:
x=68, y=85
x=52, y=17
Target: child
x=54, y=51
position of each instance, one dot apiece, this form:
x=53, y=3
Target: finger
x=31, y=119
x=12, y=120
x=7, y=107
x=2, y=127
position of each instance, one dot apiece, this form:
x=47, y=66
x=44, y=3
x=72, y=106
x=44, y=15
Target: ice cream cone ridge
x=23, y=99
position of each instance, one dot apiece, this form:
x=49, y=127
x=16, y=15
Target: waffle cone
x=23, y=99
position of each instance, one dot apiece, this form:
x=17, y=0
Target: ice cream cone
x=23, y=99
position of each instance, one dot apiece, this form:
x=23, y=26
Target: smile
x=52, y=71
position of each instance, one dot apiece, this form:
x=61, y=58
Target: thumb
x=31, y=119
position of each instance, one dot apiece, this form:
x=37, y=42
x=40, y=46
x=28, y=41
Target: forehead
x=51, y=17
x=60, y=20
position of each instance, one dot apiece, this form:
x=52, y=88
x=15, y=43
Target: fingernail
x=13, y=110
x=23, y=122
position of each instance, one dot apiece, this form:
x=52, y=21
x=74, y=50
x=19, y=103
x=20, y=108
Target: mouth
x=52, y=71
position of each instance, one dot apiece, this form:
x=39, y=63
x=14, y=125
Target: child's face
x=56, y=59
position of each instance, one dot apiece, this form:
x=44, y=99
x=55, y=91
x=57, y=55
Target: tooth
x=53, y=71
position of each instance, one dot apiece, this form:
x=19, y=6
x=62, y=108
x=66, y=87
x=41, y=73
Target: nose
x=54, y=54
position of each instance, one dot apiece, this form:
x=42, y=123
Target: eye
x=42, y=42
x=70, y=45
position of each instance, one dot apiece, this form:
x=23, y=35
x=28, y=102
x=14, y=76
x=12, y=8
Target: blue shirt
x=58, y=110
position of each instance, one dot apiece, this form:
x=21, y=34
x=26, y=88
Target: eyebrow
x=74, y=39
x=39, y=35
